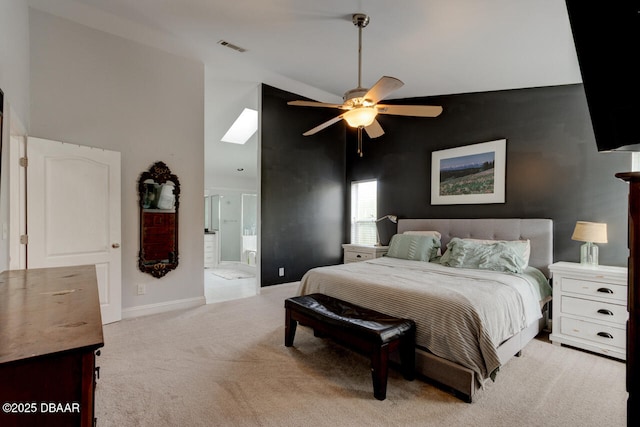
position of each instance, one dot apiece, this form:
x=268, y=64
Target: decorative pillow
x=433, y=233
x=417, y=248
x=493, y=255
x=523, y=247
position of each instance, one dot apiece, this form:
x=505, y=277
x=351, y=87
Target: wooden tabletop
x=48, y=310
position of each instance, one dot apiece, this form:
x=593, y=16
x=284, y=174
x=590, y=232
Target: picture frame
x=471, y=174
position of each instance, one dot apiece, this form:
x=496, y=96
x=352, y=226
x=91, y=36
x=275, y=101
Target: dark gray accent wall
x=553, y=167
x=303, y=188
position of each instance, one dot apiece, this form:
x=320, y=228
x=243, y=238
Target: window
x=364, y=200
x=243, y=128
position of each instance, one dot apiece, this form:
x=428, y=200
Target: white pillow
x=435, y=234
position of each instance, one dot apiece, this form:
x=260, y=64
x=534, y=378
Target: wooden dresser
x=633, y=302
x=50, y=329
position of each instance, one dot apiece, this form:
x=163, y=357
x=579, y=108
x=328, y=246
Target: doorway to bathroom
x=231, y=245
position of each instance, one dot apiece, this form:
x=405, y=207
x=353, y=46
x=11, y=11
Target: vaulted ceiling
x=435, y=47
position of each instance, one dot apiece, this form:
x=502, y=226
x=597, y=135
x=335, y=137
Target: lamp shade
x=594, y=232
x=386, y=227
x=362, y=116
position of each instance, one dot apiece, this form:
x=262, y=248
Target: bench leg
x=289, y=328
x=380, y=371
x=408, y=355
x=318, y=334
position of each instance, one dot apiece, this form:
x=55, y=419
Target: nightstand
x=590, y=307
x=354, y=253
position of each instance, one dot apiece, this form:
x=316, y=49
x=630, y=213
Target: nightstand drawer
x=594, y=289
x=595, y=310
x=354, y=252
x=357, y=256
x=608, y=335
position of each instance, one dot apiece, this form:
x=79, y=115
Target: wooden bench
x=373, y=333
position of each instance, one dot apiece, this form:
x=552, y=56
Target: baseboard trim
x=162, y=307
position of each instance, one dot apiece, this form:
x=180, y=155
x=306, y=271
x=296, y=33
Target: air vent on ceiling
x=231, y=46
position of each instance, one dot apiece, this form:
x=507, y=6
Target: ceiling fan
x=361, y=104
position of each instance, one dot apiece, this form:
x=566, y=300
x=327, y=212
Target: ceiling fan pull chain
x=360, y=141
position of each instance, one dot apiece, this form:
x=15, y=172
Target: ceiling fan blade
x=323, y=125
x=383, y=88
x=410, y=110
x=374, y=130
x=313, y=104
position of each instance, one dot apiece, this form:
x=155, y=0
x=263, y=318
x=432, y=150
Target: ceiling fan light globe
x=360, y=117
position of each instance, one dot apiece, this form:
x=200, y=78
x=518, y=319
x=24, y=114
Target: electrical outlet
x=281, y=271
x=141, y=289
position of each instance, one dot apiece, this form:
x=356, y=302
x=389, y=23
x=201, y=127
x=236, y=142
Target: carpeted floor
x=225, y=364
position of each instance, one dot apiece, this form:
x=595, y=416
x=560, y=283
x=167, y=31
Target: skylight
x=243, y=128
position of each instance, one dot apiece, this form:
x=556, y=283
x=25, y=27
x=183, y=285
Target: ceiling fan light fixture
x=360, y=117
x=360, y=105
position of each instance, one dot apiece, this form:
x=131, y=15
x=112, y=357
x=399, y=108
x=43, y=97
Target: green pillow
x=484, y=255
x=417, y=248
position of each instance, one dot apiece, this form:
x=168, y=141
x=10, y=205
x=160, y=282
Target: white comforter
x=461, y=314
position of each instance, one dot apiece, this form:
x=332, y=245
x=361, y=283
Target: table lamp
x=590, y=233
x=386, y=227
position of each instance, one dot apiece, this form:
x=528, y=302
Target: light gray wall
x=92, y=88
x=14, y=56
x=14, y=82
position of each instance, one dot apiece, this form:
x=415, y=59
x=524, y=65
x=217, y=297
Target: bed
x=470, y=321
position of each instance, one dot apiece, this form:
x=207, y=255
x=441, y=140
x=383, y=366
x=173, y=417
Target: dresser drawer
x=597, y=310
x=608, y=335
x=594, y=289
x=357, y=256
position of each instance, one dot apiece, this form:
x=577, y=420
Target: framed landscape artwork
x=469, y=174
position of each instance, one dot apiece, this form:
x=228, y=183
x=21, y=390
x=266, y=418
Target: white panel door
x=73, y=213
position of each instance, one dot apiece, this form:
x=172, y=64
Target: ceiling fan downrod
x=360, y=20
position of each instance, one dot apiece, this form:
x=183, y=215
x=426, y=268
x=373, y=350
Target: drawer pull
x=605, y=311
x=605, y=290
x=605, y=335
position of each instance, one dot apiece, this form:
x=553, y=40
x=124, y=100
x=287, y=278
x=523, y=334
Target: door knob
x=115, y=245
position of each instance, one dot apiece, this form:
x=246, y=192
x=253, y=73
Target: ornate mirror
x=159, y=193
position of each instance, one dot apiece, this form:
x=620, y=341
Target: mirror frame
x=160, y=174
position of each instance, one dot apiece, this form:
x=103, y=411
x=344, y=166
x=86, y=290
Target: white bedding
x=461, y=314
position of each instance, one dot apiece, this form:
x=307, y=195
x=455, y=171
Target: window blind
x=364, y=200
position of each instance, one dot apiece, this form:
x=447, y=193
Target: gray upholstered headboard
x=538, y=231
